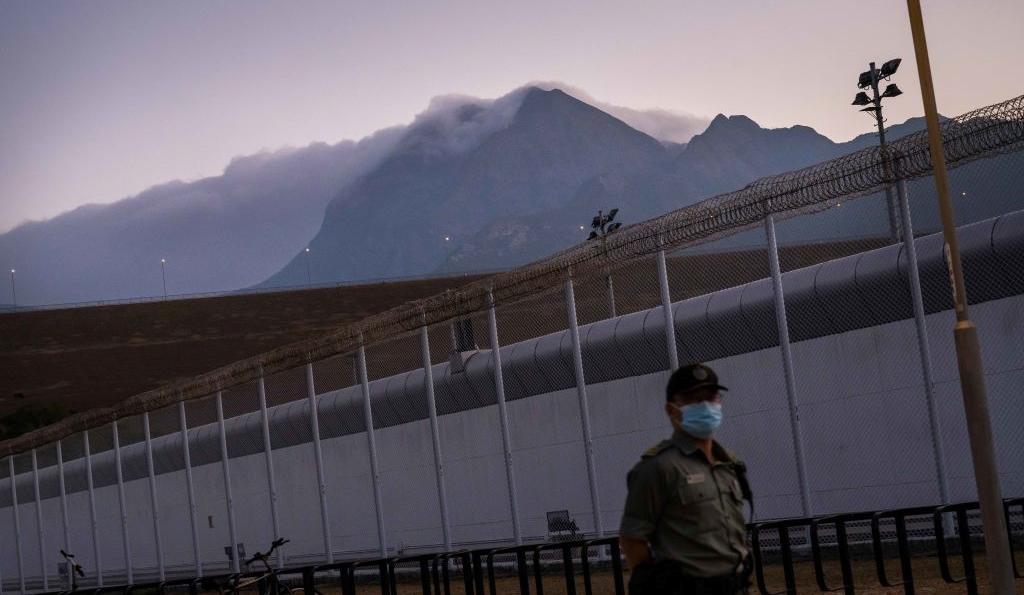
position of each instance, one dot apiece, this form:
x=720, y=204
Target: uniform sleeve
x=645, y=500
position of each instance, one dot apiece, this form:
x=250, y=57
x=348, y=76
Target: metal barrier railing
x=479, y=569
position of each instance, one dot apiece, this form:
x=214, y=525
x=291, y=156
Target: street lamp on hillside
x=309, y=277
x=870, y=78
x=163, y=275
x=14, y=294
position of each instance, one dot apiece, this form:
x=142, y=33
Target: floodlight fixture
x=611, y=214
x=613, y=227
x=889, y=68
x=891, y=91
x=597, y=221
x=861, y=99
x=864, y=80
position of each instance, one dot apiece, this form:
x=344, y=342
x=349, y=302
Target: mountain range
x=468, y=185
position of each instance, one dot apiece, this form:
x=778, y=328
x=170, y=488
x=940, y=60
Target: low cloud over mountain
x=470, y=184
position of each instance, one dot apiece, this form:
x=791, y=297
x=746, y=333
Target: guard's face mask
x=700, y=420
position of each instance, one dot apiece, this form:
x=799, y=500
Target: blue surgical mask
x=700, y=420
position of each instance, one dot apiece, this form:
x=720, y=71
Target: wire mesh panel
x=51, y=511
x=859, y=371
x=992, y=269
x=249, y=484
x=545, y=429
x=171, y=489
x=208, y=482
x=138, y=510
x=734, y=330
x=404, y=443
x=470, y=437
x=296, y=480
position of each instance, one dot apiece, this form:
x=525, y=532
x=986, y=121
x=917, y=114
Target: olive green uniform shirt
x=689, y=510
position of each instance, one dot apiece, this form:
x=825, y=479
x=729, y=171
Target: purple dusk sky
x=100, y=99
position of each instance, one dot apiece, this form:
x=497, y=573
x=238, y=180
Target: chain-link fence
x=510, y=410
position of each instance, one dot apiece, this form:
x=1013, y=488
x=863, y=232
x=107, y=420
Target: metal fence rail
x=587, y=563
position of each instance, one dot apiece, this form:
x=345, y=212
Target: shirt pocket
x=699, y=509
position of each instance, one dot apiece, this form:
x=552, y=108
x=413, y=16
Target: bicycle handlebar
x=273, y=546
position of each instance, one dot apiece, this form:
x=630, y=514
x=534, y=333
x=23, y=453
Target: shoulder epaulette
x=657, y=449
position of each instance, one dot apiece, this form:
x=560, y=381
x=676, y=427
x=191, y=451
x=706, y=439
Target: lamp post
x=601, y=226
x=309, y=277
x=163, y=275
x=870, y=78
x=965, y=336
x=14, y=294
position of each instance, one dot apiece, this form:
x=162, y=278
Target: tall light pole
x=602, y=226
x=309, y=277
x=14, y=294
x=163, y=275
x=965, y=336
x=870, y=78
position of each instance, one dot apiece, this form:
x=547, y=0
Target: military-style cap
x=690, y=378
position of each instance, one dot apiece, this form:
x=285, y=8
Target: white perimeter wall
x=863, y=415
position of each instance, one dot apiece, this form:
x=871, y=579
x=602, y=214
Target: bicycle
x=76, y=570
x=274, y=586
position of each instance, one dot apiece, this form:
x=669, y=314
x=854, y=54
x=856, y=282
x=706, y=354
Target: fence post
x=428, y=385
x=64, y=507
x=17, y=525
x=39, y=521
x=318, y=456
x=124, y=506
x=924, y=351
x=268, y=455
x=190, y=488
x=364, y=381
x=581, y=394
x=92, y=509
x=610, y=286
x=152, y=497
x=787, y=364
x=506, y=440
x=666, y=308
x=226, y=469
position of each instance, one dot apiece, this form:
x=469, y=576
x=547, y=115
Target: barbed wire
x=985, y=132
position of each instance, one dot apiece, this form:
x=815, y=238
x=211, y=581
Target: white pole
x=94, y=527
x=152, y=497
x=787, y=364
x=193, y=509
x=124, y=506
x=226, y=468
x=922, y=340
x=268, y=455
x=610, y=287
x=506, y=439
x=64, y=509
x=368, y=418
x=39, y=521
x=581, y=394
x=17, y=525
x=314, y=423
x=666, y=308
x=428, y=385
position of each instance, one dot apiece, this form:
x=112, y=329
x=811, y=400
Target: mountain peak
x=733, y=123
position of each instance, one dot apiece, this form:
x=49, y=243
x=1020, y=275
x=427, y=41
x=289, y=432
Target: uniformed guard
x=683, y=531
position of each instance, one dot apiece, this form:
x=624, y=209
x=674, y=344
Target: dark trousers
x=665, y=578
